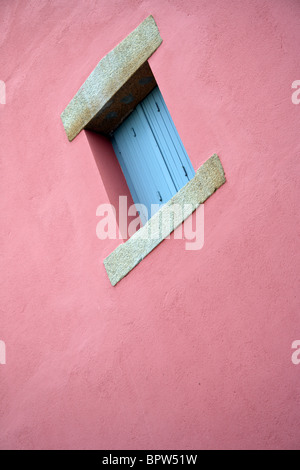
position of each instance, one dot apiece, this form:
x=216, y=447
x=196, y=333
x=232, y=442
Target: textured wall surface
x=191, y=349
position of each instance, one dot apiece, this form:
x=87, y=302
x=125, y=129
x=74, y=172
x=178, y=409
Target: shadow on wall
x=110, y=172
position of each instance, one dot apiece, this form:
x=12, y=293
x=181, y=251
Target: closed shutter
x=151, y=154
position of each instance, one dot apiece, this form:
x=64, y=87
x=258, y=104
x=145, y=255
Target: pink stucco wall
x=192, y=349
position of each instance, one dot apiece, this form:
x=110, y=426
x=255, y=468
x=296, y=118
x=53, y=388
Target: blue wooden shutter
x=151, y=154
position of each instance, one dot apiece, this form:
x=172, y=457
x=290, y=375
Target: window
x=154, y=162
x=151, y=155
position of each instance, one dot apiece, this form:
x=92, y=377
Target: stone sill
x=127, y=256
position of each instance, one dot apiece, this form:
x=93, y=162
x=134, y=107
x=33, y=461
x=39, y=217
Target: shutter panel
x=164, y=128
x=151, y=154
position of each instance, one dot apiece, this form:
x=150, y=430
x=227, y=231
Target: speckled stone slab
x=123, y=259
x=110, y=75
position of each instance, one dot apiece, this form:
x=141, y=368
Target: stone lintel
x=109, y=76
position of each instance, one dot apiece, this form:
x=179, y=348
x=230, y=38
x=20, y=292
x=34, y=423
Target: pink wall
x=192, y=349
